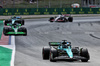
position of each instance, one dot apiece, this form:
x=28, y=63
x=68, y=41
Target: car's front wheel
x=5, y=29
x=23, y=29
x=84, y=53
x=45, y=52
x=53, y=54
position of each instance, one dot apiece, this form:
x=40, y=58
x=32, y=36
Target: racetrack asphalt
x=83, y=32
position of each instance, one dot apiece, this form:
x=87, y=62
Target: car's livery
x=14, y=29
x=69, y=18
x=14, y=20
x=63, y=50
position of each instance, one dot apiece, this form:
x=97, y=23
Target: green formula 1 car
x=14, y=29
x=14, y=20
x=64, y=51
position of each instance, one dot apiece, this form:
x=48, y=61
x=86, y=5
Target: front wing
x=16, y=33
x=67, y=58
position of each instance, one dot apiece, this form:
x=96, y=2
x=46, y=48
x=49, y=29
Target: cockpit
x=65, y=44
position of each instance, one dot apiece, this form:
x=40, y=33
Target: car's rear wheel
x=7, y=21
x=45, y=53
x=84, y=53
x=22, y=22
x=70, y=19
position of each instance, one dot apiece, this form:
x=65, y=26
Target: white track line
x=13, y=50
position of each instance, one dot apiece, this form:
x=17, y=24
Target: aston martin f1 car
x=62, y=18
x=14, y=29
x=64, y=51
x=14, y=20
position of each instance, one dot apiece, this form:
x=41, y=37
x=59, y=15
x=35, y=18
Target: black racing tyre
x=45, y=53
x=20, y=29
x=53, y=54
x=7, y=21
x=22, y=22
x=70, y=19
x=51, y=18
x=84, y=53
x=5, y=30
x=23, y=29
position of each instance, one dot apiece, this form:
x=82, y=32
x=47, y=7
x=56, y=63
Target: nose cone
x=69, y=52
x=70, y=55
x=13, y=21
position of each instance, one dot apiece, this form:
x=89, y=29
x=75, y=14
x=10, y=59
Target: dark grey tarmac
x=83, y=32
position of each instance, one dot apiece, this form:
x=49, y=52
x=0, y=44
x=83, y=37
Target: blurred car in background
x=75, y=5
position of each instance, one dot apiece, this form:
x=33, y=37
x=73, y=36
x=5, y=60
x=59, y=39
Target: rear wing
x=18, y=17
x=54, y=43
x=57, y=43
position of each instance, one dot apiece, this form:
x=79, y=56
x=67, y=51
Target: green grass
x=5, y=56
x=44, y=4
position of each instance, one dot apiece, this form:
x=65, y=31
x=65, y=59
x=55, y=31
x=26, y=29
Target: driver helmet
x=59, y=15
x=64, y=42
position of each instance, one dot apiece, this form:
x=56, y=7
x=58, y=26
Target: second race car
x=62, y=18
x=14, y=19
x=14, y=29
